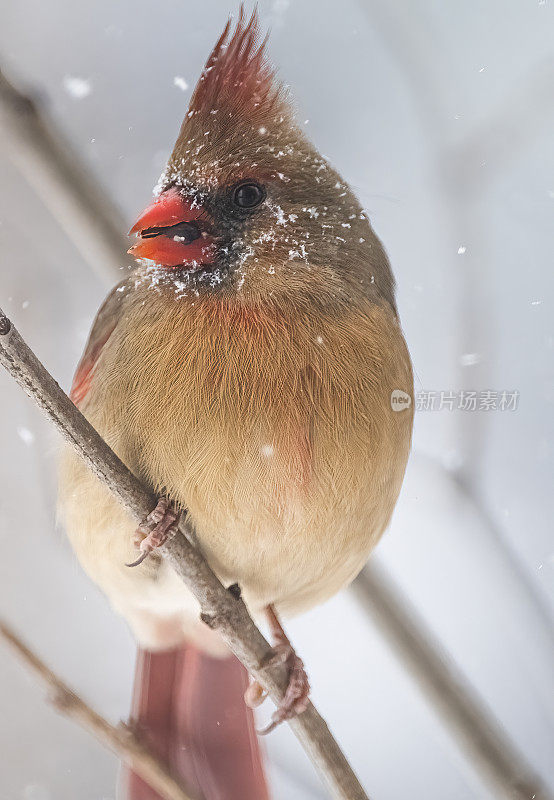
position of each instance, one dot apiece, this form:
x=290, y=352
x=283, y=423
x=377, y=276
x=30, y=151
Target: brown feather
x=257, y=393
x=208, y=400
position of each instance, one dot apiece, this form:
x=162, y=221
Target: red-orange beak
x=173, y=233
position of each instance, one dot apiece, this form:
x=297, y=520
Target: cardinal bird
x=246, y=372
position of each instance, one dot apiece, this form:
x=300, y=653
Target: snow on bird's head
x=237, y=113
x=240, y=128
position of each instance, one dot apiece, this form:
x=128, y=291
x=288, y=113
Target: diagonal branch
x=121, y=739
x=221, y=609
x=479, y=735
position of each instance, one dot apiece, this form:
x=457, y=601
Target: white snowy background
x=441, y=116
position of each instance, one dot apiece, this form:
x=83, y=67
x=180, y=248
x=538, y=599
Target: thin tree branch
x=121, y=739
x=221, y=609
x=496, y=759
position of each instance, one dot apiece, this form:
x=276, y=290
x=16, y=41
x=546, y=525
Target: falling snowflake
x=78, y=88
x=470, y=359
x=26, y=436
x=180, y=83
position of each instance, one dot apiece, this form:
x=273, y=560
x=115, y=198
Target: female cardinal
x=245, y=371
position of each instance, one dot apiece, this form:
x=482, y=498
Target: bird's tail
x=189, y=709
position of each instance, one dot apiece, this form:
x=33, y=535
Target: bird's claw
x=156, y=529
x=296, y=697
x=297, y=694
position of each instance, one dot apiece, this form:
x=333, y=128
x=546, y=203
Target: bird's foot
x=156, y=529
x=296, y=697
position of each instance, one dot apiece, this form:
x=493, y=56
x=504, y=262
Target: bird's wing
x=104, y=325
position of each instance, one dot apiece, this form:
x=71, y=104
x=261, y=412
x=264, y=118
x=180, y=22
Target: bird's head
x=246, y=203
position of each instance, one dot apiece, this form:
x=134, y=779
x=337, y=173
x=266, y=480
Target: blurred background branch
x=463, y=713
x=121, y=739
x=58, y=176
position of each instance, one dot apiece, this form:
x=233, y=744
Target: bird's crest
x=237, y=76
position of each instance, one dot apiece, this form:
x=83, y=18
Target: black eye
x=248, y=195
